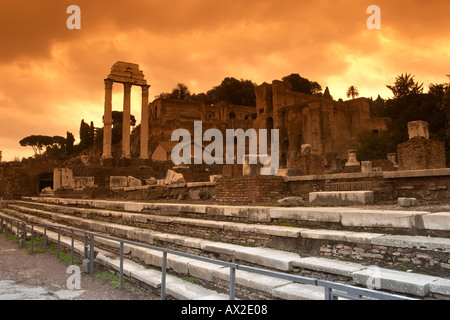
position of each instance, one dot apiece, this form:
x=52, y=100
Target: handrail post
x=91, y=264
x=72, y=249
x=1, y=224
x=32, y=238
x=45, y=238
x=59, y=240
x=121, y=264
x=24, y=235
x=18, y=226
x=163, y=276
x=232, y=283
x=85, y=246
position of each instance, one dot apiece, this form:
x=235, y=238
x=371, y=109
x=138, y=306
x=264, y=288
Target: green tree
x=117, y=120
x=405, y=85
x=70, y=139
x=301, y=84
x=85, y=135
x=37, y=142
x=180, y=92
x=353, y=92
x=231, y=90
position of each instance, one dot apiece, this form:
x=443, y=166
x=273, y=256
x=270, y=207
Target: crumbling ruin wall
x=249, y=190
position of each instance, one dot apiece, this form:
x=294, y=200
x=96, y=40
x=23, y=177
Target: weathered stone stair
x=262, y=244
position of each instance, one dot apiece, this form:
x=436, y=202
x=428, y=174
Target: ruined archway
x=128, y=74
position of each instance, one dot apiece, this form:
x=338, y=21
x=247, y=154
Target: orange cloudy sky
x=52, y=77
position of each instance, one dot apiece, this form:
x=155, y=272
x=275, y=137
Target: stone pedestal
x=309, y=164
x=352, y=161
x=419, y=154
x=418, y=129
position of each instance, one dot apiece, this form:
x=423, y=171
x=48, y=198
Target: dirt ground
x=41, y=276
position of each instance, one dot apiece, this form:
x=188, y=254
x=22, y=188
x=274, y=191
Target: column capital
x=145, y=89
x=108, y=84
x=127, y=85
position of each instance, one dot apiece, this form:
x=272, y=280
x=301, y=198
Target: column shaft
x=126, y=121
x=107, y=120
x=144, y=123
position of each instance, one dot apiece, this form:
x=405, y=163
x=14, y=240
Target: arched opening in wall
x=211, y=115
x=46, y=180
x=232, y=115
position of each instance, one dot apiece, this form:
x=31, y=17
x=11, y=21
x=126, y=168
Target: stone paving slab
x=297, y=291
x=339, y=198
x=343, y=268
x=404, y=282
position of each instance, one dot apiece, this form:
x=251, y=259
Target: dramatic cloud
x=52, y=77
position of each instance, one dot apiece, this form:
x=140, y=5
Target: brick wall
x=249, y=190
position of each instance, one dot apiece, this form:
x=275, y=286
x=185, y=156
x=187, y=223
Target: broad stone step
x=298, y=291
x=386, y=279
x=176, y=287
x=342, y=268
x=267, y=257
x=341, y=198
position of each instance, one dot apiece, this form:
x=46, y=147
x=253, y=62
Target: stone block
x=173, y=177
x=366, y=166
x=133, y=182
x=408, y=202
x=291, y=202
x=67, y=178
x=397, y=281
x=380, y=218
x=329, y=266
x=83, y=182
x=298, y=291
x=118, y=181
x=56, y=179
x=352, y=161
x=441, y=286
x=420, y=154
x=340, y=198
x=151, y=181
x=306, y=214
x=436, y=221
x=418, y=129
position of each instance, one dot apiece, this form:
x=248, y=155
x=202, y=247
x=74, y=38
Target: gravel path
x=41, y=276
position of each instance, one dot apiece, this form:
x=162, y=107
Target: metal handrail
x=332, y=290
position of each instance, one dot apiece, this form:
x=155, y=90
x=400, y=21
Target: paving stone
x=297, y=291
x=328, y=265
x=398, y=281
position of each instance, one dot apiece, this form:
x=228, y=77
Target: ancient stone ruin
x=420, y=152
x=128, y=74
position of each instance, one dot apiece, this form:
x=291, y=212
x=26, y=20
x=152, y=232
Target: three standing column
x=107, y=120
